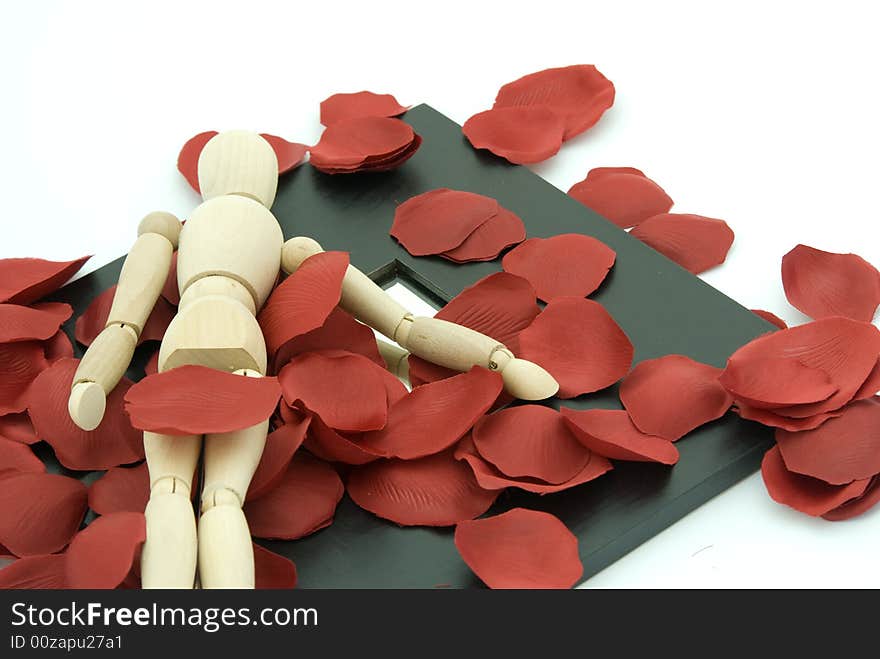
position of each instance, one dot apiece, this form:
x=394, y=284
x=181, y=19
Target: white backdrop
x=765, y=115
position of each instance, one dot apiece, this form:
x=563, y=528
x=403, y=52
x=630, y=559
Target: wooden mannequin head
x=238, y=162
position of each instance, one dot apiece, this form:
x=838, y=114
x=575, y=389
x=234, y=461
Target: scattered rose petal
x=23, y=281
x=570, y=264
x=870, y=386
x=579, y=94
x=857, y=506
x=625, y=198
x=302, y=503
x=364, y=144
x=803, y=493
x=327, y=444
x=15, y=456
x=170, y=290
x=440, y=220
x=599, y=172
x=58, y=347
x=94, y=319
x=39, y=513
x=695, y=242
x=272, y=571
x=288, y=154
x=436, y=490
x=699, y=396
x=20, y=364
x=196, y=400
x=113, y=442
x=822, y=284
x=577, y=341
x=842, y=352
x=770, y=418
x=45, y=572
x=841, y=450
x=339, y=332
x=303, y=301
x=771, y=318
x=281, y=444
x=188, y=158
x=20, y=323
x=152, y=365
x=521, y=134
x=101, y=555
x=121, y=489
x=18, y=428
x=489, y=239
x=490, y=478
x=340, y=107
x=435, y=416
x=532, y=441
x=612, y=434
x=520, y=549
x=345, y=389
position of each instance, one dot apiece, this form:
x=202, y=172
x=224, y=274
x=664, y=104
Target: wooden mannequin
x=229, y=256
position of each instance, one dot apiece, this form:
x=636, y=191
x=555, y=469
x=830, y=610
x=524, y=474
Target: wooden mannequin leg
x=168, y=559
x=226, y=556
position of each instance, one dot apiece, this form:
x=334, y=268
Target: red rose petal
x=339, y=332
x=302, y=503
x=374, y=143
x=152, y=365
x=440, y=220
x=870, y=386
x=578, y=342
x=857, y=506
x=18, y=428
x=435, y=416
x=624, y=198
x=188, y=158
x=101, y=555
x=612, y=434
x=272, y=571
x=327, y=444
x=23, y=281
x=531, y=441
x=843, y=350
x=699, y=396
x=569, y=264
x=841, y=450
x=770, y=418
x=489, y=239
x=520, y=549
x=113, y=442
x=281, y=444
x=94, y=319
x=346, y=390
x=58, y=347
x=822, y=284
x=20, y=364
x=579, y=94
x=20, y=323
x=771, y=318
x=340, y=107
x=46, y=572
x=695, y=242
x=170, y=290
x=196, y=400
x=599, y=172
x=803, y=493
x=490, y=478
x=15, y=456
x=288, y=154
x=520, y=134
x=121, y=489
x=433, y=491
x=303, y=301
x=39, y=513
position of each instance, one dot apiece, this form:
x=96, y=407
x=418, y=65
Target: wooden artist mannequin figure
x=229, y=255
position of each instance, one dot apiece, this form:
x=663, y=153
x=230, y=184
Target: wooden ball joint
x=229, y=255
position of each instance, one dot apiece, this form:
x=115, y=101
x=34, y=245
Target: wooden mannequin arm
x=140, y=284
x=437, y=341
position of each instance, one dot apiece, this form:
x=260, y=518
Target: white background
x=763, y=114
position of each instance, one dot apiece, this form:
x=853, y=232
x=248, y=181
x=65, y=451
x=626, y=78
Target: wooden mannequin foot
x=168, y=559
x=226, y=555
